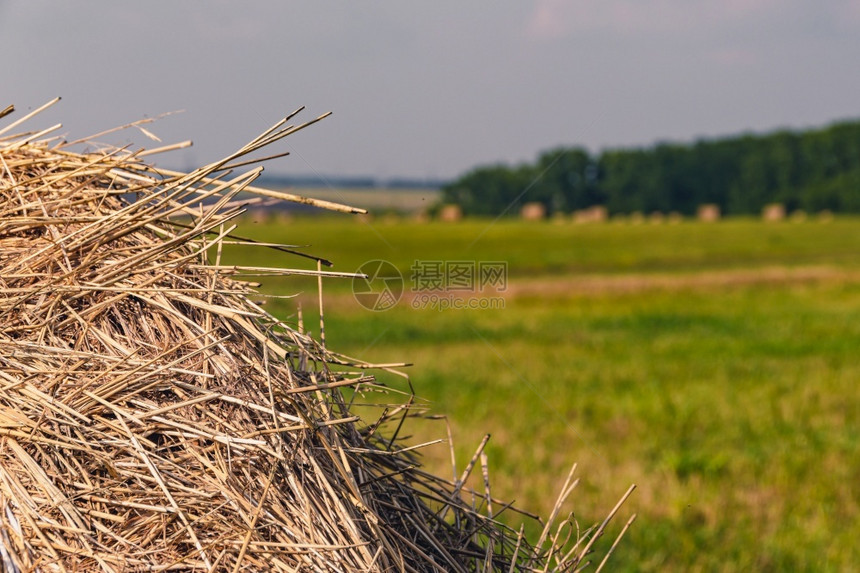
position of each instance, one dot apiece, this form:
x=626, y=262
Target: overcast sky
x=431, y=89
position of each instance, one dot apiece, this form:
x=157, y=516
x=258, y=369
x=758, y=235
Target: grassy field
x=713, y=365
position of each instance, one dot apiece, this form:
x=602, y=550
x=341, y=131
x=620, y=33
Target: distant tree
x=838, y=194
x=624, y=177
x=814, y=169
x=489, y=190
x=566, y=180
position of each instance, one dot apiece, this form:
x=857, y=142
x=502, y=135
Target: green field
x=713, y=365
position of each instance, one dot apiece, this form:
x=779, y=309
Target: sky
x=432, y=89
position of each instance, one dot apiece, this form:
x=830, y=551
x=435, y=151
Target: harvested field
x=714, y=365
x=608, y=284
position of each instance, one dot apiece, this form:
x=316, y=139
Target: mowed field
x=715, y=366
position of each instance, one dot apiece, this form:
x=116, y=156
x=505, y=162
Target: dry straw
x=153, y=418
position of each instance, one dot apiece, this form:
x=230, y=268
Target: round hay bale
x=152, y=417
x=773, y=212
x=451, y=213
x=708, y=213
x=533, y=211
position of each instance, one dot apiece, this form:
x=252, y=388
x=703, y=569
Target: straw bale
x=450, y=213
x=773, y=212
x=152, y=417
x=708, y=212
x=593, y=214
x=533, y=211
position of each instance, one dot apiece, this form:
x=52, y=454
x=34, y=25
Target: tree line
x=812, y=170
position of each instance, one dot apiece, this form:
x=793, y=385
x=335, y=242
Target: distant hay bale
x=637, y=218
x=798, y=216
x=154, y=418
x=599, y=214
x=656, y=218
x=825, y=216
x=450, y=213
x=773, y=212
x=708, y=213
x=675, y=217
x=533, y=211
x=593, y=214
